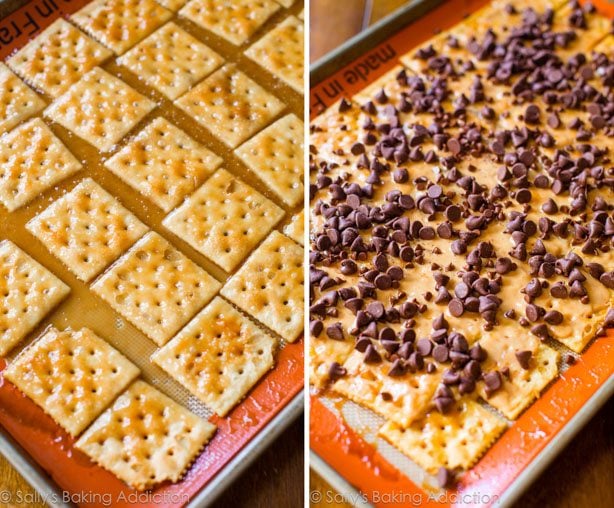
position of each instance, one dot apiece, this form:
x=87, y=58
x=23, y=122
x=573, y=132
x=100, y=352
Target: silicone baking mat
x=80, y=482
x=343, y=434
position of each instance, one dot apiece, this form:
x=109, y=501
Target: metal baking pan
x=324, y=68
x=51, y=493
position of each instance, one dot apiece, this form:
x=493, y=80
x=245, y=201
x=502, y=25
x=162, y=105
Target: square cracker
x=17, y=100
x=171, y=60
x=224, y=219
x=156, y=287
x=173, y=5
x=87, y=229
x=410, y=394
x=296, y=228
x=100, y=109
x=323, y=352
x=29, y=292
x=523, y=386
x=145, y=438
x=218, y=356
x=32, y=159
x=276, y=156
x=235, y=21
x=281, y=52
x=454, y=440
x=269, y=286
x=72, y=375
x=58, y=57
x=163, y=163
x=120, y=24
x=230, y=105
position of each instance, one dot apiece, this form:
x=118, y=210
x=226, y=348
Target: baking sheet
x=33, y=442
x=344, y=449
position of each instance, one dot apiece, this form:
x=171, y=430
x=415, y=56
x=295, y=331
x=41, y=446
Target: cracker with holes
x=120, y=24
x=400, y=399
x=219, y=356
x=173, y=5
x=58, y=57
x=269, y=286
x=145, y=438
x=100, y=108
x=163, y=163
x=454, y=440
x=17, y=101
x=280, y=52
x=276, y=156
x=72, y=375
x=295, y=229
x=87, y=229
x=156, y=287
x=28, y=293
x=32, y=160
x=171, y=60
x=526, y=382
x=230, y=105
x=324, y=352
x=235, y=21
x=224, y=219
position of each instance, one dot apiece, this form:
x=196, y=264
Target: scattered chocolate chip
x=336, y=371
x=335, y=331
x=492, y=381
x=524, y=358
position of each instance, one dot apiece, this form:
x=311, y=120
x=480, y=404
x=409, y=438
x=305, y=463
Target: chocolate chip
x=534, y=288
x=376, y=309
x=344, y=105
x=336, y=371
x=354, y=304
x=558, y=290
x=462, y=290
x=553, y=121
x=440, y=323
x=383, y=281
x=458, y=247
x=444, y=405
x=524, y=196
x=504, y=265
x=550, y=207
x=406, y=254
x=424, y=347
x=434, y=191
x=416, y=362
x=456, y=307
x=453, y=213
x=397, y=369
x=532, y=114
x=454, y=146
x=400, y=175
x=335, y=331
x=553, y=317
x=450, y=377
x=315, y=327
x=440, y=353
x=371, y=355
x=408, y=310
x=533, y=312
x=595, y=269
x=524, y=358
x=493, y=382
x=540, y=330
x=607, y=279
